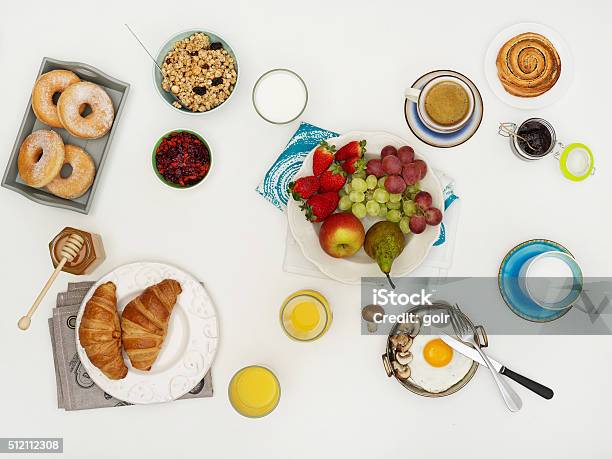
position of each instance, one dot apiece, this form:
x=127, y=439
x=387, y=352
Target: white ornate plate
x=188, y=350
x=351, y=270
x=553, y=94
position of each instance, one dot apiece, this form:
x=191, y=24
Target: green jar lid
x=577, y=162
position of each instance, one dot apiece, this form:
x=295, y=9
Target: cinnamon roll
x=528, y=65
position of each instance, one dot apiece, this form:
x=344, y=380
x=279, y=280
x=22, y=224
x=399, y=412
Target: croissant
x=145, y=322
x=100, y=332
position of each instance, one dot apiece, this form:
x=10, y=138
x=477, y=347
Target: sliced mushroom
x=403, y=358
x=401, y=342
x=394, y=339
x=401, y=371
x=405, y=347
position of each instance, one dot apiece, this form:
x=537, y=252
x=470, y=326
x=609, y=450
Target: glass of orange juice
x=305, y=315
x=254, y=391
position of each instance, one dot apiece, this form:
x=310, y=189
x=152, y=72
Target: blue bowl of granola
x=200, y=72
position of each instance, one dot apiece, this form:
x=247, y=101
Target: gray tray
x=97, y=148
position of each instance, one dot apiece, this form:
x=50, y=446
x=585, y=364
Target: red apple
x=341, y=235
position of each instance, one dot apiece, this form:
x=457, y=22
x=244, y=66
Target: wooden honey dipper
x=69, y=252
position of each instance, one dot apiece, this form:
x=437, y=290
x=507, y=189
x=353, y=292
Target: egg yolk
x=437, y=353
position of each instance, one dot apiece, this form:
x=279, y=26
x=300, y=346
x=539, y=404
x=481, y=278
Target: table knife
x=466, y=350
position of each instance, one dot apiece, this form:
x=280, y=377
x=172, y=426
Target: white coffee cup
x=418, y=96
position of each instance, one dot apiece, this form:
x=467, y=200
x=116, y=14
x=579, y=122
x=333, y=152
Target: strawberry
x=322, y=158
x=354, y=149
x=304, y=187
x=320, y=206
x=353, y=165
x=333, y=178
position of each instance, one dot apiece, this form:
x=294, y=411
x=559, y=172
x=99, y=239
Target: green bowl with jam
x=181, y=159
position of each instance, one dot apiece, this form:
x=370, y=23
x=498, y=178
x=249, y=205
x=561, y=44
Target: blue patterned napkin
x=277, y=179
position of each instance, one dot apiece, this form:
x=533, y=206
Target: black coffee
x=537, y=138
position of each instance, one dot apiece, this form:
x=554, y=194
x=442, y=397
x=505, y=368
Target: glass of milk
x=280, y=96
x=552, y=279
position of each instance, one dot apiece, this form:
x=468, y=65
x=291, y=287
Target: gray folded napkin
x=75, y=389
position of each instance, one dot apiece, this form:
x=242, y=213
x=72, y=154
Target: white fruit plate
x=188, y=349
x=351, y=270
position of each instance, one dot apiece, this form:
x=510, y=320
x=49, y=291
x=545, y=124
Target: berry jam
x=535, y=138
x=182, y=159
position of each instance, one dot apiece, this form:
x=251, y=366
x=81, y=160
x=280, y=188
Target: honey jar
x=88, y=259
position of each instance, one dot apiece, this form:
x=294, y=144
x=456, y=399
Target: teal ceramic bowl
x=161, y=56
x=172, y=184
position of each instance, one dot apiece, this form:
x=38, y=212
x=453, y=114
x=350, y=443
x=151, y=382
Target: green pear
x=384, y=242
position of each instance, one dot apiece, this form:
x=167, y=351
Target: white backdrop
x=356, y=58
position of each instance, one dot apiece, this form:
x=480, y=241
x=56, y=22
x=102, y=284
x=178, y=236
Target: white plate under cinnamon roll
x=529, y=66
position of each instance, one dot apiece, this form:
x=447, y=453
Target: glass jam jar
x=533, y=139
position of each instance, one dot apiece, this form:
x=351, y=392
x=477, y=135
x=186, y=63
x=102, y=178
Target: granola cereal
x=201, y=74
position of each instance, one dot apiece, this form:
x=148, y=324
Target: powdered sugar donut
x=46, y=86
x=41, y=157
x=70, y=105
x=81, y=177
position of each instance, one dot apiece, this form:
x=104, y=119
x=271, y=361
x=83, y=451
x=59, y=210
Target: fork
x=466, y=334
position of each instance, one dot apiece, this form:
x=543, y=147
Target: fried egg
x=435, y=365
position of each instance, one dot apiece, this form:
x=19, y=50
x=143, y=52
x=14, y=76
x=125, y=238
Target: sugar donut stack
x=84, y=110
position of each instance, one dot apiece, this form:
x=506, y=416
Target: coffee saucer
x=509, y=286
x=437, y=139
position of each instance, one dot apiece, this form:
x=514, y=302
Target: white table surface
x=356, y=58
